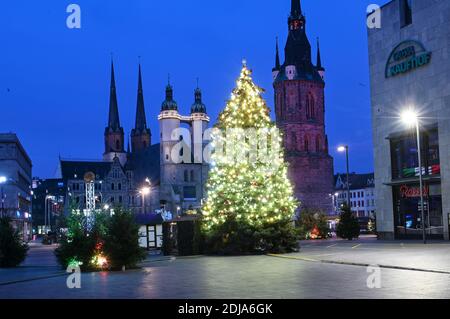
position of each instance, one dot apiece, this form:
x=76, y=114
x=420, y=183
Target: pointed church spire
x=114, y=134
x=113, y=120
x=296, y=8
x=277, y=58
x=140, y=135
x=319, y=59
x=296, y=19
x=141, y=121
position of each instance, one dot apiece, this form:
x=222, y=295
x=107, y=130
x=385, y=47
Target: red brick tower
x=300, y=114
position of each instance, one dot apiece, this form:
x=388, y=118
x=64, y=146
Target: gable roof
x=77, y=169
x=145, y=164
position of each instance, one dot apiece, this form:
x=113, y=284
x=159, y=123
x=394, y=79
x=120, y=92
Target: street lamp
x=144, y=192
x=411, y=119
x=342, y=149
x=3, y=180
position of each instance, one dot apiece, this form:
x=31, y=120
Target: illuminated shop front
x=406, y=189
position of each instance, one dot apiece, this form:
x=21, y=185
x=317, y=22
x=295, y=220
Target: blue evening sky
x=54, y=81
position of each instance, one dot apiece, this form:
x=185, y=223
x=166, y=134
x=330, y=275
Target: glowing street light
x=342, y=149
x=411, y=119
x=144, y=192
x=3, y=180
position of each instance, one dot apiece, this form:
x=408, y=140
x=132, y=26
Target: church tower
x=140, y=135
x=114, y=134
x=300, y=114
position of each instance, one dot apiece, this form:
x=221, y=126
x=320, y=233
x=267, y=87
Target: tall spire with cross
x=113, y=119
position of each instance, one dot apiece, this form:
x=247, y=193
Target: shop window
x=407, y=212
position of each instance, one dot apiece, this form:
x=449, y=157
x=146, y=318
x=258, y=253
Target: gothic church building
x=122, y=174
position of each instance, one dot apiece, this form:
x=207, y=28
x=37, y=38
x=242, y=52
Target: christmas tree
x=250, y=204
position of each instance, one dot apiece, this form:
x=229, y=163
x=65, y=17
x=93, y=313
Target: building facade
x=145, y=177
x=300, y=114
x=410, y=70
x=15, y=184
x=362, y=194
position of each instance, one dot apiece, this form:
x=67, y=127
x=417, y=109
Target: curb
x=336, y=262
x=32, y=279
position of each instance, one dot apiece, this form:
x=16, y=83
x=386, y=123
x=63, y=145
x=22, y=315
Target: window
x=186, y=177
x=192, y=176
x=117, y=145
x=189, y=193
x=119, y=186
x=120, y=199
x=405, y=12
x=306, y=144
x=112, y=186
x=405, y=163
x=310, y=107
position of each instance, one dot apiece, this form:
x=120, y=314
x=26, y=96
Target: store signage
x=407, y=56
x=413, y=192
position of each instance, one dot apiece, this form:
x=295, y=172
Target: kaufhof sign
x=406, y=57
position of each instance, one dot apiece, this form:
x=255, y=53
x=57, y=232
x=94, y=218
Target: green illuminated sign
x=407, y=56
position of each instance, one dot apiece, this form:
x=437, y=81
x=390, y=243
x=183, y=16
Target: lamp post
x=410, y=118
x=342, y=149
x=3, y=180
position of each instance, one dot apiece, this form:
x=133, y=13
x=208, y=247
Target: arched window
x=310, y=107
x=186, y=176
x=112, y=186
x=117, y=145
x=192, y=176
x=306, y=143
x=119, y=186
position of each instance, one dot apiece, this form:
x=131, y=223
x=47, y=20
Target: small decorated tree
x=12, y=249
x=348, y=227
x=82, y=243
x=121, y=243
x=250, y=204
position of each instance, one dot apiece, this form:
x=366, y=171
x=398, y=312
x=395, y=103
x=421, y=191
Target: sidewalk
x=410, y=255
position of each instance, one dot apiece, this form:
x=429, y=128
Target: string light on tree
x=250, y=203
